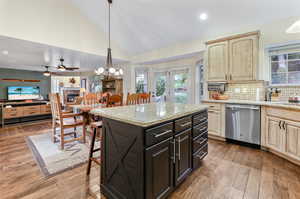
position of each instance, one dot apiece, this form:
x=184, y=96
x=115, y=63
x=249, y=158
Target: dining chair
x=114, y=100
x=144, y=98
x=91, y=98
x=65, y=121
x=132, y=99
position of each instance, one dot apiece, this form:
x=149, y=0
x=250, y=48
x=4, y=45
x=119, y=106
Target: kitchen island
x=149, y=149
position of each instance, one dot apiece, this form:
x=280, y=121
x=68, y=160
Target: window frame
x=287, y=60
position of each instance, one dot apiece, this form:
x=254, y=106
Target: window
x=141, y=81
x=285, y=68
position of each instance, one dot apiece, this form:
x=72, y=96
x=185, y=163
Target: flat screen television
x=23, y=92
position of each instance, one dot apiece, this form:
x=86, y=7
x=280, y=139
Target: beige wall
x=53, y=22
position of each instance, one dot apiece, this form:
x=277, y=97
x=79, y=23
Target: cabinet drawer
x=199, y=129
x=12, y=112
x=213, y=106
x=199, y=155
x=182, y=124
x=31, y=110
x=200, y=141
x=159, y=133
x=200, y=118
x=45, y=109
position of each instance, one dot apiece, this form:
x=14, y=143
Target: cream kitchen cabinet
x=216, y=120
x=217, y=61
x=233, y=59
x=292, y=139
x=283, y=132
x=274, y=134
x=243, y=58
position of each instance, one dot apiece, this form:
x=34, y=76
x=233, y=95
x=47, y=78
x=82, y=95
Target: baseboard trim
x=214, y=137
x=297, y=162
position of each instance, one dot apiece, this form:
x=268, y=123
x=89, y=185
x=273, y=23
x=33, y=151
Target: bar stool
x=95, y=130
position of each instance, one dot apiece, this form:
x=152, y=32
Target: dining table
x=86, y=111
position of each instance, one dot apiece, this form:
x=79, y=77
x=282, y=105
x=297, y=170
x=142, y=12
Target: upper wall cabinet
x=217, y=64
x=233, y=58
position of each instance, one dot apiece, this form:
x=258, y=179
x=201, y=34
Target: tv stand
x=20, y=111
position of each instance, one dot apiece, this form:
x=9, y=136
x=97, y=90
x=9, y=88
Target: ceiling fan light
x=117, y=73
x=47, y=74
x=112, y=70
x=60, y=68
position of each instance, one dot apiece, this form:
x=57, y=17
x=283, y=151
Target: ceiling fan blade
x=72, y=68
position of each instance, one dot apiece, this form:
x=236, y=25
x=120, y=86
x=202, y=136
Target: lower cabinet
x=274, y=134
x=214, y=122
x=283, y=136
x=159, y=170
x=292, y=137
x=171, y=160
x=183, y=164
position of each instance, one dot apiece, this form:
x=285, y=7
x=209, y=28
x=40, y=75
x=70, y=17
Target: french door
x=172, y=86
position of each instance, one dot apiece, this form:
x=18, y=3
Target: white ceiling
x=31, y=56
x=139, y=26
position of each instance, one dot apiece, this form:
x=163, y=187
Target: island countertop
x=145, y=115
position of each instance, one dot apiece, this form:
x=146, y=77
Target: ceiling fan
x=62, y=67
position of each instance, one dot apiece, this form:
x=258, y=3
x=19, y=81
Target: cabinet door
x=214, y=122
x=183, y=165
x=159, y=170
x=274, y=134
x=217, y=61
x=292, y=138
x=243, y=58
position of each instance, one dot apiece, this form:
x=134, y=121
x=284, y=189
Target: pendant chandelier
x=109, y=70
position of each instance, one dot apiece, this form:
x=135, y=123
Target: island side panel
x=122, y=171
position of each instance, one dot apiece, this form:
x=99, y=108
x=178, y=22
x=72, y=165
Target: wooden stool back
x=132, y=99
x=144, y=98
x=114, y=100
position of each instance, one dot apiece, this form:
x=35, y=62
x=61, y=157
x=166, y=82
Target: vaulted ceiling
x=139, y=26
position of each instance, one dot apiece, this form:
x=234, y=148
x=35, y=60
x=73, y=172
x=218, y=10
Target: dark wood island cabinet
x=148, y=150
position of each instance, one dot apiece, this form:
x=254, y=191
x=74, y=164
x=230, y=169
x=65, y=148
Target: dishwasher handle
x=242, y=107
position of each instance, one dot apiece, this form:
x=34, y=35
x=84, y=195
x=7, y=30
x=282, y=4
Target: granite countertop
x=148, y=114
x=279, y=104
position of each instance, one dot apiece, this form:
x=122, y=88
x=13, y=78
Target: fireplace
x=70, y=95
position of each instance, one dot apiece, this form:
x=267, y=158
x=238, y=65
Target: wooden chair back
x=78, y=100
x=91, y=98
x=114, y=100
x=132, y=99
x=56, y=106
x=144, y=98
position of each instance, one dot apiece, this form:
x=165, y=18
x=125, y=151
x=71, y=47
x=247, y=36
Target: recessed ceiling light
x=5, y=52
x=295, y=28
x=203, y=16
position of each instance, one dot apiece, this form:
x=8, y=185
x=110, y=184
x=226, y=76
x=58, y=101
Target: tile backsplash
x=289, y=91
x=248, y=91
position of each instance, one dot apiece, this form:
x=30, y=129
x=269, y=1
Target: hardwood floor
x=229, y=171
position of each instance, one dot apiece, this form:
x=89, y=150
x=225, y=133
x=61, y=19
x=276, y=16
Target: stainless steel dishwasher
x=243, y=123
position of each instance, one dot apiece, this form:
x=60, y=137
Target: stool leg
x=91, y=151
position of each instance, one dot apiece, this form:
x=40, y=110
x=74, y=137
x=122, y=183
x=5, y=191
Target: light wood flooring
x=229, y=171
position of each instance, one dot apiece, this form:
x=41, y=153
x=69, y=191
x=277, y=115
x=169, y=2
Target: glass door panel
x=179, y=86
x=161, y=86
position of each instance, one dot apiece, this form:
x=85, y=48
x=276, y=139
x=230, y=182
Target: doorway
x=172, y=86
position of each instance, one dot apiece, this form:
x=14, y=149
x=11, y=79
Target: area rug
x=51, y=159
